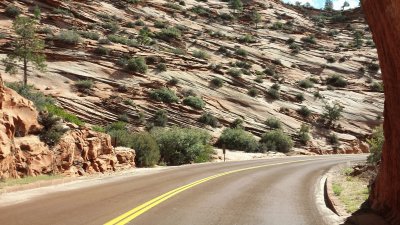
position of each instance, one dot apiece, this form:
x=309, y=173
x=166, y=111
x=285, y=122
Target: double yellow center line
x=132, y=214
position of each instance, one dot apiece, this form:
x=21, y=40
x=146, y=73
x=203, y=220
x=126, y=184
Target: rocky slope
x=205, y=26
x=79, y=151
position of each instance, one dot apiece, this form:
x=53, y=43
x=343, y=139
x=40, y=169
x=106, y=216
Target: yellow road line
x=132, y=214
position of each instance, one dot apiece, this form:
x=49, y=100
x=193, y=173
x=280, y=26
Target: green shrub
x=167, y=34
x=57, y=111
x=303, y=134
x=330, y=59
x=306, y=83
x=376, y=145
x=200, y=10
x=277, y=141
x=137, y=65
x=333, y=139
x=164, y=95
x=68, y=37
x=235, y=72
x=116, y=126
x=84, y=85
x=318, y=95
x=290, y=41
x=173, y=81
x=309, y=39
x=183, y=145
x=12, y=11
x=99, y=129
x=241, y=52
x=161, y=67
x=273, y=123
x=128, y=102
x=377, y=86
x=160, y=24
x=336, y=81
x=104, y=41
x=237, y=124
x=300, y=97
x=208, y=119
x=102, y=51
x=200, y=54
x=242, y=64
x=226, y=16
x=269, y=71
x=253, y=92
x=52, y=130
x=64, y=12
x=194, y=102
x=173, y=6
x=332, y=113
x=304, y=111
x=123, y=117
x=146, y=148
x=160, y=118
x=112, y=27
x=139, y=23
x=273, y=93
x=247, y=39
x=217, y=82
x=238, y=139
x=122, y=40
x=277, y=26
x=89, y=35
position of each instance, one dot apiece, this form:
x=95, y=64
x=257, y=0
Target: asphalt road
x=271, y=192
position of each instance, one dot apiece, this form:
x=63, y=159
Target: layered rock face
x=383, y=17
x=80, y=150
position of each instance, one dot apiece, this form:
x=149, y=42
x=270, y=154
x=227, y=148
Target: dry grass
x=26, y=180
x=351, y=191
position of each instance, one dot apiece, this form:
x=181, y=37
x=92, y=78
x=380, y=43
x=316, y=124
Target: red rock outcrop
x=80, y=150
x=84, y=151
x=383, y=18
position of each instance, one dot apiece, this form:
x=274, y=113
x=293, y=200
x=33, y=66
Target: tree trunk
x=25, y=72
x=383, y=17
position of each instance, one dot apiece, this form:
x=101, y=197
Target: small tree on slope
x=27, y=48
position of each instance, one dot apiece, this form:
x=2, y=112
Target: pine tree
x=345, y=4
x=329, y=5
x=236, y=5
x=255, y=17
x=27, y=48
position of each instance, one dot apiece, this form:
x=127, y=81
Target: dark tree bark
x=383, y=17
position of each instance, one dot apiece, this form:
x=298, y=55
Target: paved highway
x=270, y=191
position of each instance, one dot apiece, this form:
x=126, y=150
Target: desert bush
x=253, y=92
x=273, y=93
x=146, y=148
x=167, y=34
x=237, y=124
x=12, y=11
x=112, y=26
x=304, y=111
x=89, y=35
x=300, y=97
x=330, y=59
x=238, y=139
x=194, y=102
x=377, y=86
x=84, y=85
x=290, y=41
x=173, y=6
x=333, y=139
x=309, y=39
x=373, y=67
x=123, y=117
x=208, y=119
x=241, y=52
x=200, y=54
x=164, y=95
x=100, y=50
x=277, y=26
x=235, y=72
x=226, y=16
x=137, y=64
x=306, y=83
x=161, y=67
x=336, y=81
x=333, y=112
x=201, y=11
x=173, y=81
x=183, y=145
x=276, y=140
x=376, y=145
x=269, y=71
x=160, y=24
x=303, y=134
x=160, y=118
x=52, y=130
x=217, y=82
x=273, y=123
x=247, y=39
x=243, y=64
x=61, y=113
x=68, y=37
